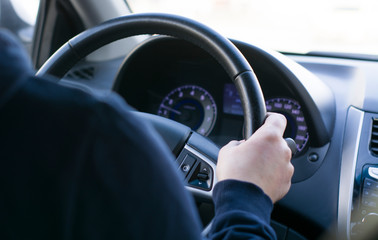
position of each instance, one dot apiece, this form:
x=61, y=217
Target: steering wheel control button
x=199, y=184
x=205, y=169
x=187, y=165
x=202, y=176
x=185, y=168
x=373, y=172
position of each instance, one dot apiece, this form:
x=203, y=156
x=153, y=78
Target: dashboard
x=177, y=80
x=188, y=86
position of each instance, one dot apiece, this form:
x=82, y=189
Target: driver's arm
x=252, y=174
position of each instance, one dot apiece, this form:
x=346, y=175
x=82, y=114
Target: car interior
x=194, y=85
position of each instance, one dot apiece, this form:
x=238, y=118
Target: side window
x=19, y=17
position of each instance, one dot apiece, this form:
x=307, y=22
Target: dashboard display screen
x=231, y=100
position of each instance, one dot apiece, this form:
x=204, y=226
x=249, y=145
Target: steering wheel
x=196, y=154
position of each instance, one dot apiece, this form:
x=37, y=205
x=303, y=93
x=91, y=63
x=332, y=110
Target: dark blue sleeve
x=242, y=211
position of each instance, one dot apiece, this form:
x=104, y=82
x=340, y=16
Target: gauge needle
x=171, y=109
x=190, y=107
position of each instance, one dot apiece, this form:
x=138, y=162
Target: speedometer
x=192, y=106
x=296, y=125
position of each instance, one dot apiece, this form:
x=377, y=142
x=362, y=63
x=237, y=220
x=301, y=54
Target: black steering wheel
x=200, y=175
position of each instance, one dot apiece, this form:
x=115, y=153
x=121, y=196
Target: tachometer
x=192, y=106
x=296, y=124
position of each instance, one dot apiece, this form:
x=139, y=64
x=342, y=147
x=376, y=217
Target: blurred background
x=298, y=26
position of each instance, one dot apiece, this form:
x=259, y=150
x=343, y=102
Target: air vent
x=374, y=137
x=86, y=73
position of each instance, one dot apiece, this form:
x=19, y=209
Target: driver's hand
x=263, y=159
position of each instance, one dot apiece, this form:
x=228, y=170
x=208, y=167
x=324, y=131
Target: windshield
x=296, y=26
x=19, y=17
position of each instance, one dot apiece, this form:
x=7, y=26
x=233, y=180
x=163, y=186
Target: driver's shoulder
x=68, y=106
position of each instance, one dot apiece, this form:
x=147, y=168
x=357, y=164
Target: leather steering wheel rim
x=230, y=58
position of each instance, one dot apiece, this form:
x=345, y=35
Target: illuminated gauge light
x=192, y=106
x=296, y=124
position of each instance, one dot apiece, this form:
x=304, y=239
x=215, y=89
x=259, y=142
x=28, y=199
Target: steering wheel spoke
x=196, y=160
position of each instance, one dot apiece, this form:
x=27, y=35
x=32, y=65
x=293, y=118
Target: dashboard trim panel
x=351, y=144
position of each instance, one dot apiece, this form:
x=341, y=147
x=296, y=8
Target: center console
x=358, y=195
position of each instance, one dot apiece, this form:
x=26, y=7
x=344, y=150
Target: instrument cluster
x=195, y=107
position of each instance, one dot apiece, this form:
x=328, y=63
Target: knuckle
x=272, y=136
x=232, y=143
x=287, y=152
x=291, y=170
